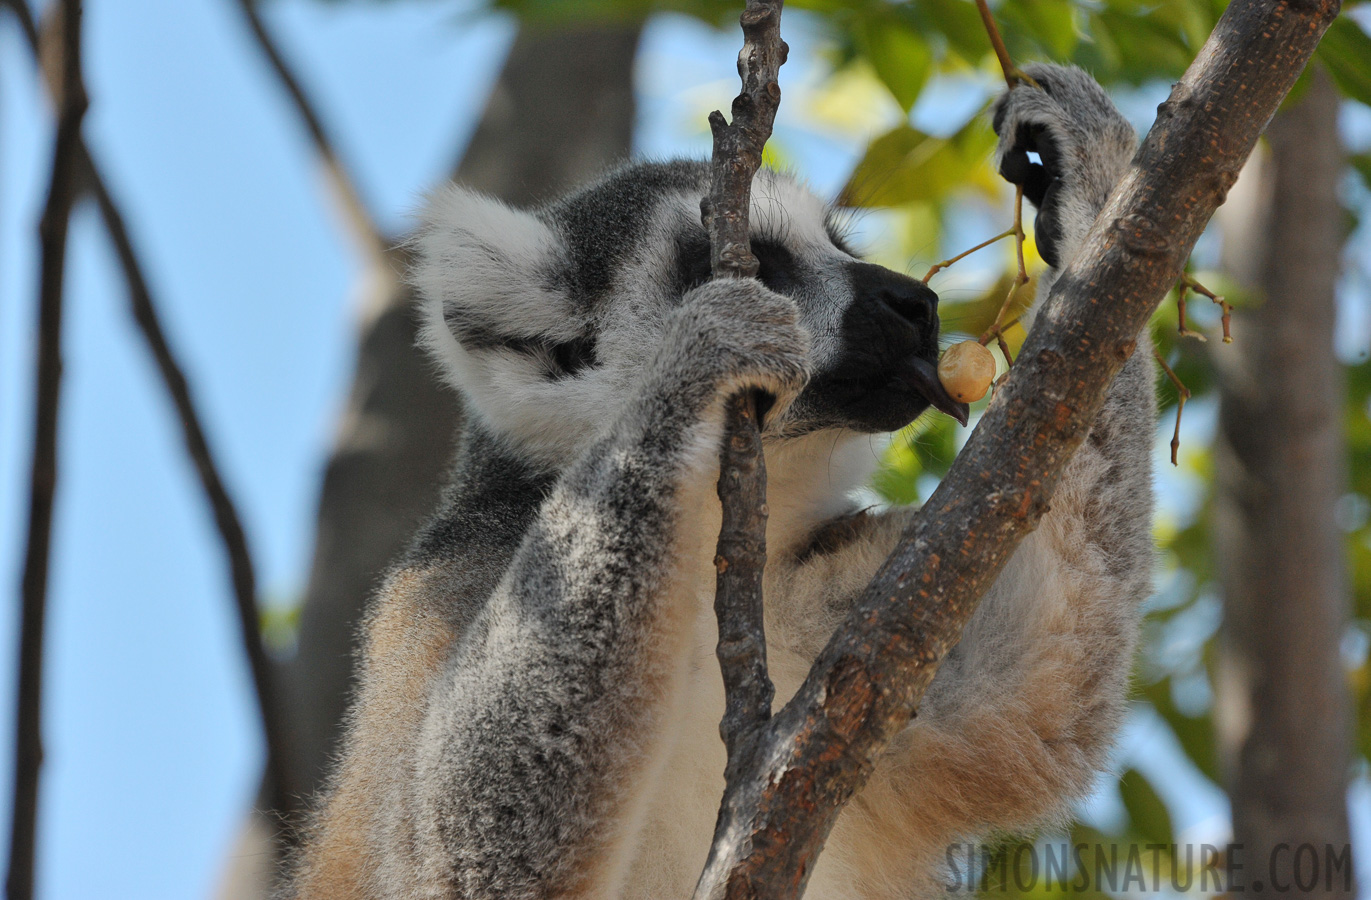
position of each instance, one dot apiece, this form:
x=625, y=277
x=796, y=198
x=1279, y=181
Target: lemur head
x=545, y=319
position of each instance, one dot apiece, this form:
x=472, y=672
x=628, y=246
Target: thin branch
x=361, y=223
x=739, y=562
x=1182, y=395
x=742, y=478
x=1182, y=326
x=226, y=518
x=938, y=267
x=1013, y=77
x=1225, y=307
x=996, y=330
x=741, y=556
x=996, y=42
x=52, y=232
x=818, y=751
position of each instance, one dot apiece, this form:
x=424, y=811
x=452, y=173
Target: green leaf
x=1133, y=48
x=1146, y=811
x=959, y=23
x=897, y=480
x=902, y=58
x=905, y=165
x=1051, y=23
x=1360, y=557
x=924, y=448
x=1195, y=733
x=1362, y=164
x=1346, y=51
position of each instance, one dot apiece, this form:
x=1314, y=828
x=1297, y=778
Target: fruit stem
x=1182, y=395
x=996, y=331
x=938, y=267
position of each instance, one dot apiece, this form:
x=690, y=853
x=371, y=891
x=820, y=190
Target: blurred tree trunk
x=562, y=110
x=1282, y=705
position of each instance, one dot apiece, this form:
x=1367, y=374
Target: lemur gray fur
x=537, y=714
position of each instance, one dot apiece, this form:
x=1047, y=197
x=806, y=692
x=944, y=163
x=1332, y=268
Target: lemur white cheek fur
x=537, y=712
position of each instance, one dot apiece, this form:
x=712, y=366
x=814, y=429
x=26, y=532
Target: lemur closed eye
x=537, y=715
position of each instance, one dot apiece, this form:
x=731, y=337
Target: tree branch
x=819, y=750
x=226, y=518
x=361, y=223
x=741, y=557
x=52, y=232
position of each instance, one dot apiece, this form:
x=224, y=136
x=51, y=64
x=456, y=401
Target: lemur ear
x=485, y=273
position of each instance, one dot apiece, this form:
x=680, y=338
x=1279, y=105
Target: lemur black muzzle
x=886, y=372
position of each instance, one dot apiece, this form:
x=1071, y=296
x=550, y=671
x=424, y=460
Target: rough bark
x=819, y=750
x=1283, y=707
x=741, y=555
x=63, y=188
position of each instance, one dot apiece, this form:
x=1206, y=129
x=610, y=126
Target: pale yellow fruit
x=966, y=371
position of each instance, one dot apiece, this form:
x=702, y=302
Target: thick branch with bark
x=741, y=556
x=867, y=683
x=63, y=189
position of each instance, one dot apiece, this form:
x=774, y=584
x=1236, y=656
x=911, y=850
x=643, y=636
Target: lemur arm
x=545, y=724
x=1021, y=715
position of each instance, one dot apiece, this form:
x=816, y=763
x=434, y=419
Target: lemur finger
x=1047, y=231
x=1041, y=181
x=1018, y=168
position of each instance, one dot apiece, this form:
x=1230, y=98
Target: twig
x=819, y=750
x=52, y=231
x=1186, y=284
x=742, y=478
x=226, y=517
x=1181, y=327
x=938, y=267
x=360, y=221
x=1013, y=77
x=739, y=562
x=1227, y=308
x=996, y=330
x=741, y=557
x=1182, y=395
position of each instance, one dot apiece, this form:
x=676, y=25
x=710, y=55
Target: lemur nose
x=911, y=300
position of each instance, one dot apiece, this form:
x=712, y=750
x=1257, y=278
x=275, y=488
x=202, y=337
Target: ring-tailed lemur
x=539, y=703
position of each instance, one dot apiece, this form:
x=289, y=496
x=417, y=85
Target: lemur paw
x=741, y=336
x=1084, y=145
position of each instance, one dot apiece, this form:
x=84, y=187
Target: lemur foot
x=1084, y=145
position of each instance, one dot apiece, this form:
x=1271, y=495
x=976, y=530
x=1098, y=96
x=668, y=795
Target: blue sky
x=152, y=741
x=153, y=746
